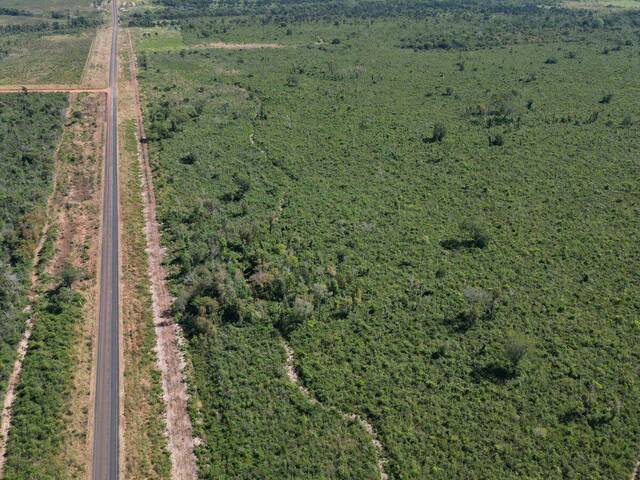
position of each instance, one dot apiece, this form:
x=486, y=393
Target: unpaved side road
x=168, y=334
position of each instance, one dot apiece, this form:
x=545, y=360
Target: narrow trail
x=294, y=378
x=5, y=418
x=171, y=362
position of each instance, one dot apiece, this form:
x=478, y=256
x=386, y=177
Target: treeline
x=15, y=12
x=30, y=126
x=73, y=23
x=453, y=31
x=283, y=11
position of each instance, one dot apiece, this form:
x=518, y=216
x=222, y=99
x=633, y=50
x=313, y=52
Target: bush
x=496, y=140
x=481, y=304
x=515, y=349
x=439, y=132
x=606, y=99
x=477, y=233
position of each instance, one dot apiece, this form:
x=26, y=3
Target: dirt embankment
x=171, y=362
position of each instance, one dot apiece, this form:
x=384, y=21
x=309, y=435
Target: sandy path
x=294, y=378
x=171, y=362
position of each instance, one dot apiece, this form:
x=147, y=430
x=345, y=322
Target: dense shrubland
x=443, y=237
x=30, y=126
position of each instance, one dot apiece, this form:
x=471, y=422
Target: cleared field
x=29, y=58
x=443, y=235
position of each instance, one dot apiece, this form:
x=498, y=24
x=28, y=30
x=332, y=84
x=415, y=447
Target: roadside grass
x=158, y=38
x=146, y=455
x=306, y=195
x=33, y=58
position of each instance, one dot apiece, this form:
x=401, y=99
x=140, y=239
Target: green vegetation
x=445, y=236
x=30, y=127
x=45, y=382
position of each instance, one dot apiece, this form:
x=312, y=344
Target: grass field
x=470, y=292
x=36, y=59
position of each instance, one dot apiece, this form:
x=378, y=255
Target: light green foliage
x=344, y=192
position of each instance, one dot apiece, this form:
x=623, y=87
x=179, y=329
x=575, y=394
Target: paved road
x=107, y=404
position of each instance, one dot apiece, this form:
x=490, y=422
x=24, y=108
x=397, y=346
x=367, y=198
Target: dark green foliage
x=606, y=99
x=496, y=140
x=30, y=126
x=45, y=383
x=439, y=132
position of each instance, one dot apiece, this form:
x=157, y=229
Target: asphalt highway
x=106, y=440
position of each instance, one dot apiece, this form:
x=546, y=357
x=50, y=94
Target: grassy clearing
x=30, y=128
x=444, y=233
x=30, y=58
